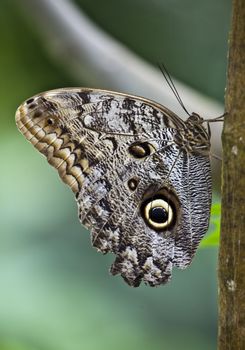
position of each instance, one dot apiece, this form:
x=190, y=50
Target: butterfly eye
x=158, y=213
x=195, y=118
x=140, y=149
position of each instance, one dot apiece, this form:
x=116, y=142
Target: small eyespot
x=50, y=121
x=29, y=101
x=37, y=114
x=132, y=184
x=158, y=213
x=32, y=106
x=140, y=149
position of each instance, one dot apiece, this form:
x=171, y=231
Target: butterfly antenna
x=216, y=119
x=215, y=156
x=170, y=83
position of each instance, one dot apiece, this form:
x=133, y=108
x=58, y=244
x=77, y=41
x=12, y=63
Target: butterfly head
x=195, y=138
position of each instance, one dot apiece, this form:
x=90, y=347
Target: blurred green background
x=56, y=292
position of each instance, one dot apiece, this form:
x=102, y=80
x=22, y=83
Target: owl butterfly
x=140, y=174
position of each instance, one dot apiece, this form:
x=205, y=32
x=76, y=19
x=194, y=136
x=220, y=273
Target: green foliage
x=212, y=238
x=11, y=344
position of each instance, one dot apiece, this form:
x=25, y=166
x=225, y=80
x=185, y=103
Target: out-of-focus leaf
x=212, y=239
x=17, y=345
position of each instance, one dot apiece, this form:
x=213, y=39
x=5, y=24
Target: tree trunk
x=232, y=242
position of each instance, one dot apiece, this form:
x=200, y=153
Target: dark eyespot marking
x=37, y=114
x=85, y=96
x=29, y=101
x=132, y=184
x=158, y=214
x=140, y=149
x=50, y=121
x=32, y=105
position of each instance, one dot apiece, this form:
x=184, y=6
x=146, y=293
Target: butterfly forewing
x=142, y=182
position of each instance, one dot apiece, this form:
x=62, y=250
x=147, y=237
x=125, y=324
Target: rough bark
x=232, y=243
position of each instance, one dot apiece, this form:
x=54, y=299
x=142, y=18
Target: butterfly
x=140, y=174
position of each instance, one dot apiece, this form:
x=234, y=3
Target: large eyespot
x=158, y=213
x=140, y=149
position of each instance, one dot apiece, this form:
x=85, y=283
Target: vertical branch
x=232, y=244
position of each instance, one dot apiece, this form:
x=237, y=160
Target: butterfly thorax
x=194, y=138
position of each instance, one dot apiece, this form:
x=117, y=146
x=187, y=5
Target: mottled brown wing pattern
x=141, y=175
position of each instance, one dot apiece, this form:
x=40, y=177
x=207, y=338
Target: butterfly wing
x=142, y=196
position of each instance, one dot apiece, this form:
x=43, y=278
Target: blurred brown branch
x=232, y=244
x=93, y=56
